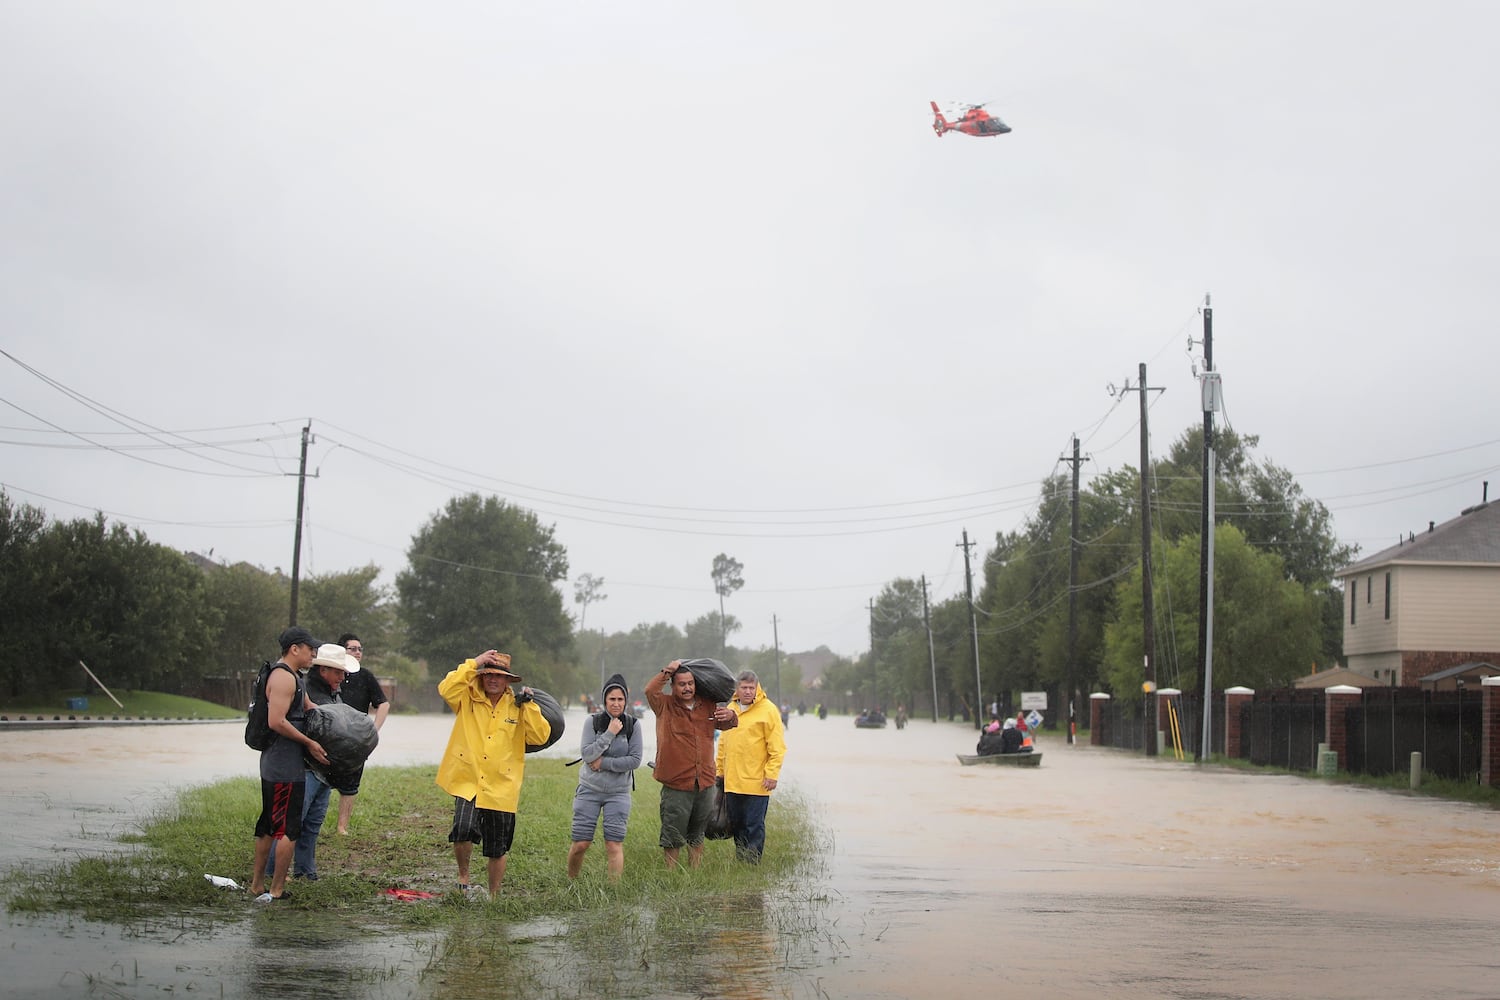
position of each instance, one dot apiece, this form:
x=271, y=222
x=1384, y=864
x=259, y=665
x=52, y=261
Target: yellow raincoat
x=486, y=755
x=754, y=749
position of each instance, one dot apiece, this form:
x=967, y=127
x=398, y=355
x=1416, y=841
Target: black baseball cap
x=297, y=634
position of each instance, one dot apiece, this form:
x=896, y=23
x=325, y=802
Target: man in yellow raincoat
x=749, y=764
x=486, y=759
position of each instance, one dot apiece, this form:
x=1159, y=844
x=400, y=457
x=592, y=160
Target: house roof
x=1471, y=537
x=1479, y=667
x=1338, y=675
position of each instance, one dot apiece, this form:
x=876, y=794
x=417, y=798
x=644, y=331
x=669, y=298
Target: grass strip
x=398, y=839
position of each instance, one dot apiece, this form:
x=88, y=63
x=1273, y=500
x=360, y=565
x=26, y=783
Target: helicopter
x=974, y=121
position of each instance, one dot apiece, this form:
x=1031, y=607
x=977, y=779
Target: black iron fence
x=1284, y=728
x=1390, y=724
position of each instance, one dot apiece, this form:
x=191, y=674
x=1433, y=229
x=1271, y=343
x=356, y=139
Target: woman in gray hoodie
x=610, y=754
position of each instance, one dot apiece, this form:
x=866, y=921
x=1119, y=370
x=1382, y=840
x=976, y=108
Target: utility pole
x=973, y=634
x=1072, y=670
x=776, y=641
x=874, y=674
x=297, y=542
x=1148, y=612
x=931, y=658
x=1210, y=394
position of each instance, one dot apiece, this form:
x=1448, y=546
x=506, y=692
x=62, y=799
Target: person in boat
x=990, y=743
x=1012, y=740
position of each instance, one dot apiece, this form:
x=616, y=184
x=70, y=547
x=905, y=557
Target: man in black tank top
x=281, y=768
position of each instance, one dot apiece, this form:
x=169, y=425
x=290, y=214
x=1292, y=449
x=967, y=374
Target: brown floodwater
x=1098, y=874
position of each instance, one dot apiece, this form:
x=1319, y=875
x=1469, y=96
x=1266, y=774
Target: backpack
x=601, y=723
x=258, y=732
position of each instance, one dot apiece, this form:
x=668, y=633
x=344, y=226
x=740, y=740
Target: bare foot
x=343, y=831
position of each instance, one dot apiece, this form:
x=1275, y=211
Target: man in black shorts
x=281, y=767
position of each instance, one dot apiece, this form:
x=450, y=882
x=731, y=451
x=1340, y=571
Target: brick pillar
x=1097, y=704
x=1339, y=698
x=1234, y=699
x=1489, y=739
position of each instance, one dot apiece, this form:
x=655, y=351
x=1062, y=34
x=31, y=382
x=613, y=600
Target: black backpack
x=601, y=723
x=258, y=732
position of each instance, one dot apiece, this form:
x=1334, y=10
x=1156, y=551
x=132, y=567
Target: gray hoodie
x=618, y=757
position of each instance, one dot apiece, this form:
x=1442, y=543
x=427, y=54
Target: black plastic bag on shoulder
x=713, y=679
x=553, y=713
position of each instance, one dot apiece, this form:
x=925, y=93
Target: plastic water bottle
x=220, y=882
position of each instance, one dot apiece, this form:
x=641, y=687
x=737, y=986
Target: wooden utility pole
x=1072, y=672
x=973, y=634
x=297, y=542
x=1148, y=612
x=931, y=658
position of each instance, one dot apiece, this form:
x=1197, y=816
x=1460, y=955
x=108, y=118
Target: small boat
x=1003, y=759
x=870, y=720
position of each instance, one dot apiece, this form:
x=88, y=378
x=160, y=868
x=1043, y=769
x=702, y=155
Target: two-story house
x=1428, y=603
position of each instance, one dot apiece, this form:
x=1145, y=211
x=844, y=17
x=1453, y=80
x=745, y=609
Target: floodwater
x=1098, y=874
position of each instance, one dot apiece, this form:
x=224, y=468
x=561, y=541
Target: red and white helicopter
x=973, y=120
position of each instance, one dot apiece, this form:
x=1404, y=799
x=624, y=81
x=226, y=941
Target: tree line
x=480, y=573
x=483, y=573
x=1277, y=608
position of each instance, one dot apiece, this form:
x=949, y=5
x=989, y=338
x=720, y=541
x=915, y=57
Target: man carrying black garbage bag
x=685, y=725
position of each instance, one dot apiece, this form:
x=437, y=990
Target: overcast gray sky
x=692, y=278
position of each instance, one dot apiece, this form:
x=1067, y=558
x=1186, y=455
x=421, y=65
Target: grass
x=399, y=839
x=543, y=936
x=137, y=704
x=1432, y=786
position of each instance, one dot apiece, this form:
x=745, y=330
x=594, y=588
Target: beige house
x=1430, y=602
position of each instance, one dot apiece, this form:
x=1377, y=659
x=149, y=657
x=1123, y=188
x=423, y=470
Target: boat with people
x=1003, y=759
x=870, y=719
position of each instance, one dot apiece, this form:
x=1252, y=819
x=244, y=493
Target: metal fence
x=1284, y=728
x=1123, y=726
x=1390, y=724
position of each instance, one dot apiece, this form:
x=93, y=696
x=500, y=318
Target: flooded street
x=1098, y=874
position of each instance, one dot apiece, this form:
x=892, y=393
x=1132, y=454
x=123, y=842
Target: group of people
x=485, y=762
x=1010, y=736
x=483, y=766
x=294, y=797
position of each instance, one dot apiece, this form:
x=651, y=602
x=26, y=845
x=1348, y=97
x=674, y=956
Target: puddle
x=1098, y=874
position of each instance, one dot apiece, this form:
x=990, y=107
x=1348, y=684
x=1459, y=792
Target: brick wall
x=1097, y=703
x=1416, y=665
x=1234, y=699
x=1338, y=700
x=1489, y=740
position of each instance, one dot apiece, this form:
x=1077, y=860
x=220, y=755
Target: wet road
x=1098, y=874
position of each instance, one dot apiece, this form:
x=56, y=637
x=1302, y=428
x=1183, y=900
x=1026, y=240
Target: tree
x=249, y=611
x=586, y=590
x=22, y=598
x=727, y=580
x=700, y=635
x=1266, y=625
x=349, y=601
x=481, y=575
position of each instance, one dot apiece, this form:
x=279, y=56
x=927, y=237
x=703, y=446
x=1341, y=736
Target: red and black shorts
x=280, y=809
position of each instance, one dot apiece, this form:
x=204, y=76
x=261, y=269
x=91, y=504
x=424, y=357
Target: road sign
x=1033, y=699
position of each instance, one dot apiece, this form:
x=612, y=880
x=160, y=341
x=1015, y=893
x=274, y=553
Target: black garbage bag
x=714, y=681
x=719, y=827
x=990, y=743
x=552, y=712
x=347, y=735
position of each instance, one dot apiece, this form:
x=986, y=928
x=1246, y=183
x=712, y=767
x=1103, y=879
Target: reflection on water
x=1099, y=874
